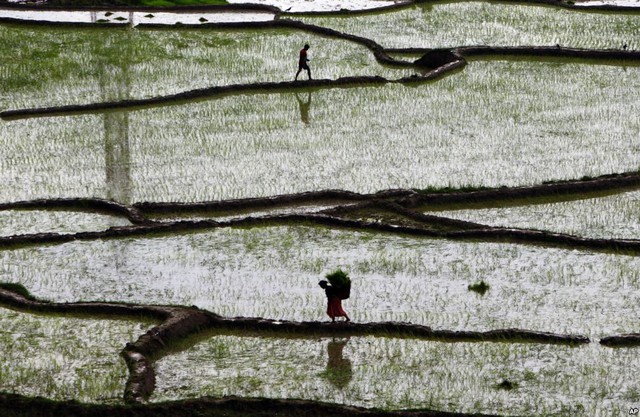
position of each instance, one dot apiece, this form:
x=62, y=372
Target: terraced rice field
x=401, y=373
x=58, y=66
x=273, y=272
x=455, y=24
x=522, y=123
x=613, y=216
x=64, y=357
x=181, y=240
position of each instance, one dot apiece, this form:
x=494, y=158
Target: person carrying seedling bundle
x=337, y=289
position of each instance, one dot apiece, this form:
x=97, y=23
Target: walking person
x=303, y=62
x=334, y=302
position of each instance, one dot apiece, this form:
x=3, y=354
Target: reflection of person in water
x=303, y=61
x=304, y=108
x=339, y=371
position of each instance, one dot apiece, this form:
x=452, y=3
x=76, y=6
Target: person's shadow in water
x=339, y=372
x=304, y=108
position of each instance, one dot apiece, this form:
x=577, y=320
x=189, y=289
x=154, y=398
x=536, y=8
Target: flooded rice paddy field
x=495, y=123
x=448, y=25
x=134, y=18
x=17, y=222
x=242, y=214
x=273, y=272
x=610, y=217
x=399, y=373
x=65, y=358
x=57, y=66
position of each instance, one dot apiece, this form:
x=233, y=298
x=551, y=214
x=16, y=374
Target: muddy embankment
x=12, y=405
x=91, y=205
x=621, y=340
x=400, y=212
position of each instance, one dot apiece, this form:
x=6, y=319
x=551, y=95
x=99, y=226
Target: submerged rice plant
x=496, y=123
x=62, y=157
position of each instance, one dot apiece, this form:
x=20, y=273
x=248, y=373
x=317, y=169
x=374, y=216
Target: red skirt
x=334, y=308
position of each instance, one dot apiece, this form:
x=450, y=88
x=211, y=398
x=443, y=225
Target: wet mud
x=91, y=205
x=20, y=406
x=622, y=340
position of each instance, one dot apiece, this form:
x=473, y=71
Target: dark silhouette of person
x=303, y=61
x=339, y=371
x=334, y=302
x=304, y=108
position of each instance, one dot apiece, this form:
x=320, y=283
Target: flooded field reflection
x=399, y=373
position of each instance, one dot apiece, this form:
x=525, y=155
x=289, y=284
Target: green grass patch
x=18, y=289
x=479, y=287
